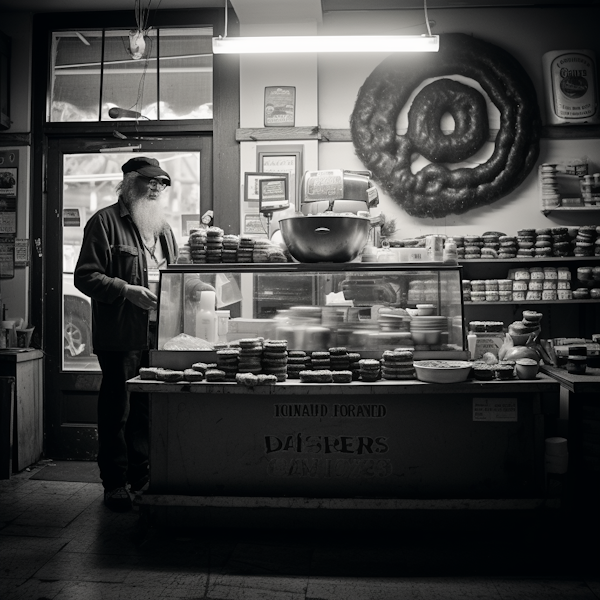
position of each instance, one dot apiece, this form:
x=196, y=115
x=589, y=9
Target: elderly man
x=124, y=246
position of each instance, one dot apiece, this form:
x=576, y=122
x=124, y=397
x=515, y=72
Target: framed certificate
x=252, y=181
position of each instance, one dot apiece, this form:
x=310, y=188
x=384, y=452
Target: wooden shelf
x=565, y=209
x=552, y=132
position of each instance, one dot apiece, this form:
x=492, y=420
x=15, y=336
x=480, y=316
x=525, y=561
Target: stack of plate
x=427, y=330
x=389, y=321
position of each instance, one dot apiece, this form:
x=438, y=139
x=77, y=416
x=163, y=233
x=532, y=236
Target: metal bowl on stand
x=325, y=238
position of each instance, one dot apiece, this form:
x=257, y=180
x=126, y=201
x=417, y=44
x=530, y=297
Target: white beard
x=149, y=217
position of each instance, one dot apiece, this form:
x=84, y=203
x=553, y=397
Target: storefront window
x=166, y=75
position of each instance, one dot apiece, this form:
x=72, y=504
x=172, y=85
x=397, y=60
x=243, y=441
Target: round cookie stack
x=214, y=244
x=561, y=241
x=459, y=240
x=549, y=184
x=508, y=246
x=338, y=357
x=585, y=241
x=214, y=375
x=320, y=360
x=397, y=364
x=354, y=366
x=530, y=324
x=526, y=243
x=319, y=376
x=202, y=367
x=250, y=379
x=230, y=248
x=250, y=356
x=275, y=358
x=296, y=362
x=473, y=245
x=261, y=251
x=369, y=369
x=276, y=255
x=491, y=244
x=245, y=249
x=192, y=375
x=197, y=243
x=342, y=376
x=227, y=361
x=543, y=243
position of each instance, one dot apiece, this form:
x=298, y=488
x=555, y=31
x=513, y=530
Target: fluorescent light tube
x=322, y=43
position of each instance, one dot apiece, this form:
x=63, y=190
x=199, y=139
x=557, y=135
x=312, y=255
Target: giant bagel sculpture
x=436, y=190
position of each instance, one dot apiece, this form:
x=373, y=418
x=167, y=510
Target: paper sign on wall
x=495, y=409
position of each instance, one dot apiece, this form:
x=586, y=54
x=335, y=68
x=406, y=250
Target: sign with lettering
x=495, y=409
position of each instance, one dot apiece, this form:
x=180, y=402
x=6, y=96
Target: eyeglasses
x=156, y=185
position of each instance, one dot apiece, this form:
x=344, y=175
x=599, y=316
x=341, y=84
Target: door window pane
x=129, y=83
x=186, y=65
x=89, y=182
x=75, y=76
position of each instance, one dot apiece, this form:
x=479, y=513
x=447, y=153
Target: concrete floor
x=58, y=541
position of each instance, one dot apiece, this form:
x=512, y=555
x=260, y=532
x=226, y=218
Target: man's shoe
x=141, y=485
x=118, y=499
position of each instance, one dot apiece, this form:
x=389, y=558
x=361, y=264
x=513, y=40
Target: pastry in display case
x=364, y=307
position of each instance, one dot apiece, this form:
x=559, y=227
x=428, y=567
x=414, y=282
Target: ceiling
x=286, y=7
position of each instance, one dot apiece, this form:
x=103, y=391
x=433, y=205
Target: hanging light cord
x=426, y=18
x=225, y=33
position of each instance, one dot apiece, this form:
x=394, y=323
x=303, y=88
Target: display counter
x=584, y=429
x=382, y=445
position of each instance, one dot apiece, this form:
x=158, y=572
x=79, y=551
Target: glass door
x=80, y=183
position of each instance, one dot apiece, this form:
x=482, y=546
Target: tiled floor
x=58, y=541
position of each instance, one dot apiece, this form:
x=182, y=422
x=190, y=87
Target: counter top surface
x=589, y=382
x=542, y=383
x=20, y=354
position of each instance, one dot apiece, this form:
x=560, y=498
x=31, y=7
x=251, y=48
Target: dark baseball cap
x=148, y=167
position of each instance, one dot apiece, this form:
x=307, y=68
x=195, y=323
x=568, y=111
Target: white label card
x=495, y=409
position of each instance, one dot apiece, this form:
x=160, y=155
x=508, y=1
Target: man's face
x=147, y=189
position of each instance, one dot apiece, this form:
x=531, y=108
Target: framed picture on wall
x=252, y=184
x=280, y=106
x=281, y=160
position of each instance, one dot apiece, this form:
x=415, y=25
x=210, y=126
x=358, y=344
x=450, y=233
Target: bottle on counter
x=206, y=321
x=450, y=255
x=222, y=325
x=385, y=253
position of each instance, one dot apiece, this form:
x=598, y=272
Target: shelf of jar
x=530, y=260
x=518, y=302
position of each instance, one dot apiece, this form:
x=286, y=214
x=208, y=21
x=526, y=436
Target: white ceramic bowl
x=426, y=337
x=425, y=310
x=442, y=371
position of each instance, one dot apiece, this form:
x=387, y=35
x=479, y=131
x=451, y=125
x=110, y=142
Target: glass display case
x=364, y=307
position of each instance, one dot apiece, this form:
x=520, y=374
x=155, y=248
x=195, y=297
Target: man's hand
x=140, y=296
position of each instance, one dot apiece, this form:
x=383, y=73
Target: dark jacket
x=111, y=256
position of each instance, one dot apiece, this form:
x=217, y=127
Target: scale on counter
x=273, y=196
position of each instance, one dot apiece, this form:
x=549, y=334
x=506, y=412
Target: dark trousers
x=123, y=420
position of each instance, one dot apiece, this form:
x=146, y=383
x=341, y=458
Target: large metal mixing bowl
x=335, y=238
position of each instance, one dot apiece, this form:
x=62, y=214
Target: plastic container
x=571, y=87
x=206, y=321
x=450, y=254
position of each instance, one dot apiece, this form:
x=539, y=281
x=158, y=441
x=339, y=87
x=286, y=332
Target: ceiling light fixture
x=324, y=43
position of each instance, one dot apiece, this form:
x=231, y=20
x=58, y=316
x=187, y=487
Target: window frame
x=221, y=128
